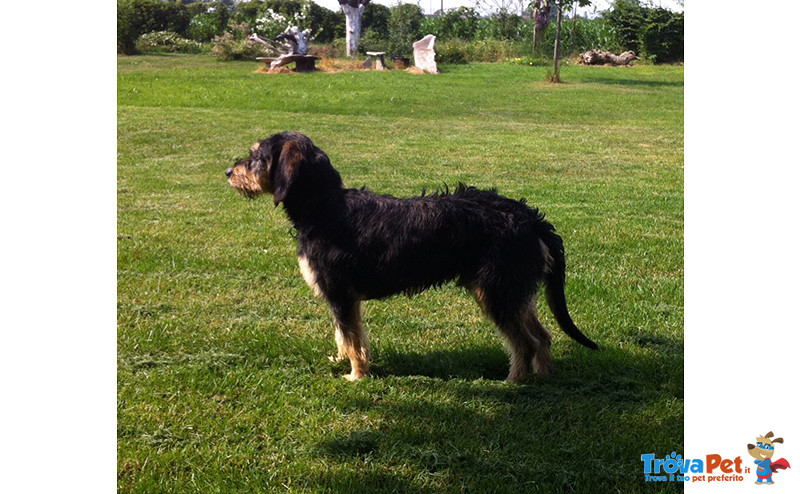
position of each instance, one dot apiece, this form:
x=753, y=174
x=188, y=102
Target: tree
x=541, y=18
x=561, y=6
x=627, y=17
x=405, y=27
x=353, y=10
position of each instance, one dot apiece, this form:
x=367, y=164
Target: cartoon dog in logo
x=762, y=452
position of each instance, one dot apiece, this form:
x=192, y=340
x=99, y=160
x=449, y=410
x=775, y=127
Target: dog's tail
x=555, y=279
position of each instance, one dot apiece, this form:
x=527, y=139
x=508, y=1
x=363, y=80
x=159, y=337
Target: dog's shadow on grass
x=635, y=82
x=464, y=363
x=461, y=426
x=492, y=362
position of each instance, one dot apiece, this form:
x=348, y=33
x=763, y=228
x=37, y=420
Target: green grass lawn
x=224, y=384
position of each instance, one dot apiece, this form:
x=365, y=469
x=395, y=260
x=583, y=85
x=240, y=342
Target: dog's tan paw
x=354, y=376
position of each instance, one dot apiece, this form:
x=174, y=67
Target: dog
x=763, y=451
x=355, y=245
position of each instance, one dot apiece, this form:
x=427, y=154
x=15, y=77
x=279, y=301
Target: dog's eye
x=759, y=445
x=767, y=447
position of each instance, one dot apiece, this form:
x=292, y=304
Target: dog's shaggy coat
x=356, y=245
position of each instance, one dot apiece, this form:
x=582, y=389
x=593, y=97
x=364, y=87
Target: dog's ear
x=778, y=440
x=285, y=169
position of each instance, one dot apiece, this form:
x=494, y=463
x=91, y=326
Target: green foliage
x=234, y=45
x=372, y=41
x=661, y=36
x=325, y=25
x=137, y=17
x=459, y=23
x=374, y=28
x=271, y=23
x=209, y=22
x=376, y=19
x=405, y=27
x=494, y=50
x=510, y=36
x=654, y=33
x=505, y=25
x=529, y=61
x=166, y=42
x=627, y=17
x=452, y=51
x=588, y=34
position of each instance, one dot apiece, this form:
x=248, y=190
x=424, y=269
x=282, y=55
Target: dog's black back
x=382, y=245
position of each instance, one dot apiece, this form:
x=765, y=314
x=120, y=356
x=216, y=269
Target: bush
x=276, y=15
x=495, y=50
x=451, y=51
x=507, y=26
x=204, y=27
x=167, y=42
x=326, y=25
x=335, y=49
x=459, y=23
x=627, y=17
x=405, y=24
x=376, y=19
x=653, y=33
x=234, y=44
x=372, y=41
x=661, y=36
x=137, y=17
x=270, y=23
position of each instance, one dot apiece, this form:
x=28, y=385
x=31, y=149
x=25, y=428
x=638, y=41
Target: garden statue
x=295, y=49
x=424, y=56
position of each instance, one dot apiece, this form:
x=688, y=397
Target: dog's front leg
x=351, y=339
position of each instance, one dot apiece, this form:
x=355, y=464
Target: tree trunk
x=556, y=78
x=541, y=18
x=353, y=27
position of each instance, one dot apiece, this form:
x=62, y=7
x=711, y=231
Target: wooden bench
x=303, y=63
x=380, y=63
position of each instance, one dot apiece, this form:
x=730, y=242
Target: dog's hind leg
x=542, y=359
x=515, y=323
x=522, y=347
x=351, y=340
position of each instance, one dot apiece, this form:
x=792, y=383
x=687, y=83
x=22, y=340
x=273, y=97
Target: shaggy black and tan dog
x=355, y=245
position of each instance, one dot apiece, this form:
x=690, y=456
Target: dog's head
x=284, y=165
x=764, y=447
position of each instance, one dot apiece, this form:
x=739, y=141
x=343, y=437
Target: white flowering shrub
x=270, y=24
x=167, y=41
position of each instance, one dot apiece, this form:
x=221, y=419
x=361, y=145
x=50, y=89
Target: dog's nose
x=229, y=172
